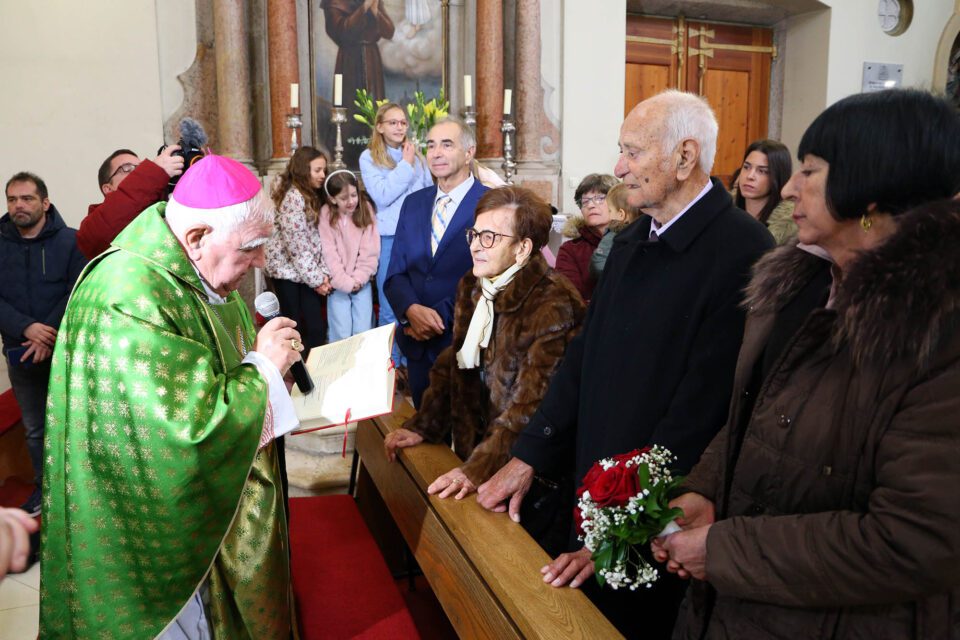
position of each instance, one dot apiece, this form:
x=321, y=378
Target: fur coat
x=837, y=512
x=484, y=408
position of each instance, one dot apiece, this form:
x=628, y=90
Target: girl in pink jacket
x=351, y=249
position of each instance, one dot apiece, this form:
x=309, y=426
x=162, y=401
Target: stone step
x=314, y=475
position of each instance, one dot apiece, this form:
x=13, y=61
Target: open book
x=353, y=379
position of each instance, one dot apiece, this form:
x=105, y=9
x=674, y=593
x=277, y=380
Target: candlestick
x=507, y=128
x=338, y=116
x=467, y=91
x=294, y=96
x=338, y=90
x=507, y=94
x=470, y=117
x=294, y=122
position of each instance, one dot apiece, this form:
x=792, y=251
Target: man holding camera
x=40, y=262
x=129, y=186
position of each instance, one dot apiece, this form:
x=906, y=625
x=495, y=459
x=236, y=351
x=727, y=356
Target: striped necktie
x=439, y=222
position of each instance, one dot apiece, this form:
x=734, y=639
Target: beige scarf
x=481, y=324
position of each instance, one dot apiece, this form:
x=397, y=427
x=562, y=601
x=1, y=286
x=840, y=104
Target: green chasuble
x=152, y=478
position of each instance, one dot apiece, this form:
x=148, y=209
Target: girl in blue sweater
x=391, y=168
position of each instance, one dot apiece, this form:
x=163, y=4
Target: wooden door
x=727, y=64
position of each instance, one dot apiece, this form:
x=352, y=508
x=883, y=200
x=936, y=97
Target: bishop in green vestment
x=160, y=471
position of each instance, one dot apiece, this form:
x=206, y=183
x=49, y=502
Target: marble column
x=489, y=78
x=233, y=80
x=529, y=92
x=284, y=70
x=456, y=66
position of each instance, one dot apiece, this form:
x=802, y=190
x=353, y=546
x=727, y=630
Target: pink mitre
x=214, y=182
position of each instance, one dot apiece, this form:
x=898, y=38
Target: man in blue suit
x=430, y=250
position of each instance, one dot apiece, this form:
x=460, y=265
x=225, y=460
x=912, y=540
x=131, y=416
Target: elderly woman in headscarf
x=827, y=507
x=513, y=318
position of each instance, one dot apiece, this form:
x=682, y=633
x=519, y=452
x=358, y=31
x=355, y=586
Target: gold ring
x=456, y=481
x=295, y=344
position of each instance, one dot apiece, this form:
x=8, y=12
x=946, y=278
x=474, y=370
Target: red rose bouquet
x=622, y=505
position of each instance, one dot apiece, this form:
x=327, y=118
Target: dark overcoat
x=654, y=363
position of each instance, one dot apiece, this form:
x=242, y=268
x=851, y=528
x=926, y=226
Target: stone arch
x=948, y=40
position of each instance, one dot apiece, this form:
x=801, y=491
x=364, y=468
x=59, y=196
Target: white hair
x=255, y=211
x=689, y=116
x=467, y=138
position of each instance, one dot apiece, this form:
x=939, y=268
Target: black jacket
x=38, y=275
x=655, y=360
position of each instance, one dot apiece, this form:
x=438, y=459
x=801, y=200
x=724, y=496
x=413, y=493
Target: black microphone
x=268, y=306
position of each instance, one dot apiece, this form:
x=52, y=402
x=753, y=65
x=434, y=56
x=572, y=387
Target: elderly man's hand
x=424, y=322
x=506, y=489
x=400, y=439
x=15, y=529
x=170, y=163
x=452, y=482
x=569, y=568
x=280, y=343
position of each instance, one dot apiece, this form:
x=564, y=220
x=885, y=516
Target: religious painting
x=390, y=48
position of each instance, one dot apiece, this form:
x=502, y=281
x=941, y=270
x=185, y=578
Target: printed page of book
x=352, y=377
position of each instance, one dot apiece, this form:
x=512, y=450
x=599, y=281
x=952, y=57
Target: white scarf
x=481, y=324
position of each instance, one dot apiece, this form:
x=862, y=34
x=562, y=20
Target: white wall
x=80, y=79
x=826, y=51
x=594, y=46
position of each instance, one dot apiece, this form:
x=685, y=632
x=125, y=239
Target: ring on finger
x=295, y=344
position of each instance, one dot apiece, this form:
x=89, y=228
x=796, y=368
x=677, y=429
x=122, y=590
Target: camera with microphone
x=192, y=142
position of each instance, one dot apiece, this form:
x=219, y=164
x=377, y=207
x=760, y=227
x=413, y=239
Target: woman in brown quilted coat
x=828, y=507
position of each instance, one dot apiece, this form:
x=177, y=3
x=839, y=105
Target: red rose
x=595, y=472
x=615, y=486
x=578, y=520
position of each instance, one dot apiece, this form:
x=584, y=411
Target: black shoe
x=32, y=505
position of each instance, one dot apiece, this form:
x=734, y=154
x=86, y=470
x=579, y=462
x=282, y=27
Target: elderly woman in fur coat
x=513, y=318
x=827, y=507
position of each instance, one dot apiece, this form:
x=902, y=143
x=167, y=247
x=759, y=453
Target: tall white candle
x=467, y=91
x=338, y=90
x=294, y=96
x=507, y=94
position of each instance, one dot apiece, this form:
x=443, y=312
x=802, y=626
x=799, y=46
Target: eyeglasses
x=394, y=123
x=487, y=238
x=126, y=167
x=599, y=199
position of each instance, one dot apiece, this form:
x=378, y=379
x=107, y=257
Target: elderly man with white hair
x=163, y=514
x=655, y=360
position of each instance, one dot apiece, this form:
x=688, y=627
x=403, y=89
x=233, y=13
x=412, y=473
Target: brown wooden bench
x=483, y=568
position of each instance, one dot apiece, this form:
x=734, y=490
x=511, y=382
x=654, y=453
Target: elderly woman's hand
x=688, y=552
x=400, y=439
x=453, y=481
x=698, y=511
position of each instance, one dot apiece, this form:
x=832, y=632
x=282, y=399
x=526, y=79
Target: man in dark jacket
x=40, y=263
x=129, y=186
x=655, y=361
x=430, y=251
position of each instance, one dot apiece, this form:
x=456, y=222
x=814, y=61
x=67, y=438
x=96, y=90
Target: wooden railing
x=483, y=567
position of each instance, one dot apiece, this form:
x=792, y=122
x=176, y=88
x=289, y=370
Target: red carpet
x=9, y=410
x=342, y=584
